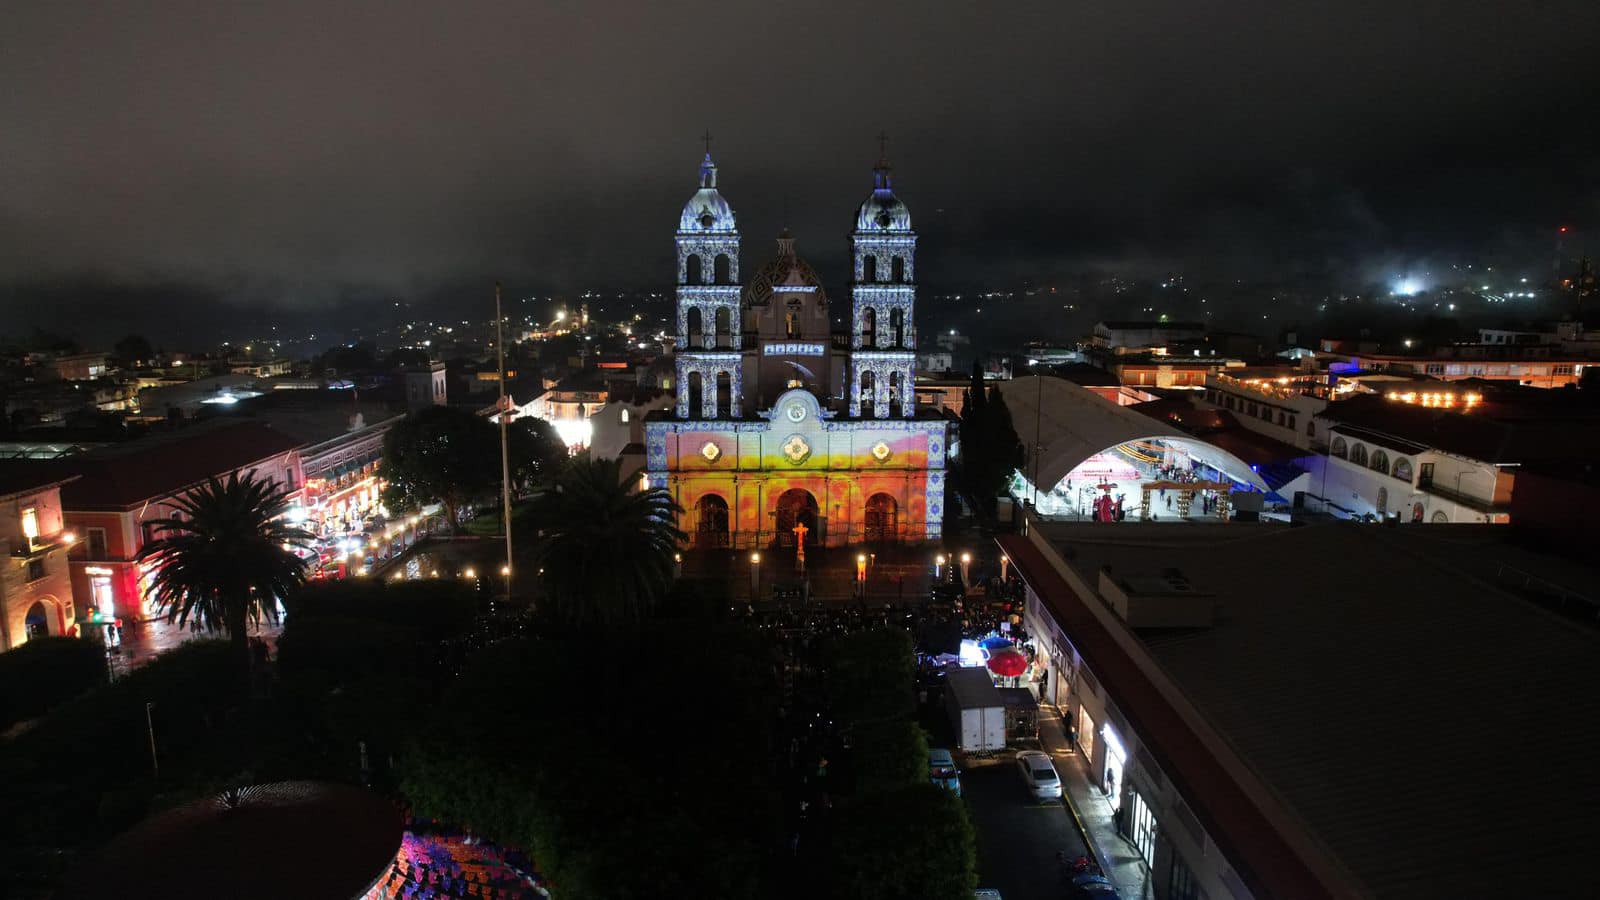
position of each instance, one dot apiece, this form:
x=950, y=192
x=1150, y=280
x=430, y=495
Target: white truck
x=977, y=711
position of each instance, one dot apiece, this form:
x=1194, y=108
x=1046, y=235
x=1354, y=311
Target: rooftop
x=1384, y=718
x=155, y=466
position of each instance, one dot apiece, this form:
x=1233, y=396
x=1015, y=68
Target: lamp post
x=861, y=574
x=966, y=567
x=1005, y=563
x=755, y=576
x=938, y=567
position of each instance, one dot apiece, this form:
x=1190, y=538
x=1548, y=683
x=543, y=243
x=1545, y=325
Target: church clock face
x=795, y=413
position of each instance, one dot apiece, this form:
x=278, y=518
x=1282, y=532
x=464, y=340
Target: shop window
x=1181, y=884
x=1142, y=828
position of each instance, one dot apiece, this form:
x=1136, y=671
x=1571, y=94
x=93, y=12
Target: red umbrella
x=1009, y=663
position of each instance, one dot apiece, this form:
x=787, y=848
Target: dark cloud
x=291, y=153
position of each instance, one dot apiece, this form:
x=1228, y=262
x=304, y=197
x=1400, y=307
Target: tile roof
x=123, y=475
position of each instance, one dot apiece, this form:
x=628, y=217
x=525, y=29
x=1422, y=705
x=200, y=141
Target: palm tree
x=605, y=546
x=226, y=556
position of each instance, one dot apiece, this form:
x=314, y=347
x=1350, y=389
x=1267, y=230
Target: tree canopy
x=226, y=556
x=440, y=454
x=606, y=547
x=990, y=449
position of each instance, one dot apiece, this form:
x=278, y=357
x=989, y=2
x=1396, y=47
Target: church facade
x=784, y=430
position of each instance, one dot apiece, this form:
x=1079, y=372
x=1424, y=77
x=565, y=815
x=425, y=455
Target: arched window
x=722, y=268
x=897, y=326
x=869, y=326
x=724, y=325
x=694, y=324
x=896, y=386
x=724, y=394
x=692, y=269
x=869, y=268
x=1358, y=454
x=695, y=387
x=1340, y=449
x=1380, y=461
x=869, y=391
x=1402, y=470
x=791, y=324
x=900, y=269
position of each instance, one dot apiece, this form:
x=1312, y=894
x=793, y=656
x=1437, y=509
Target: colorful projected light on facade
x=778, y=421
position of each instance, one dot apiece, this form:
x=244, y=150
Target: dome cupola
x=707, y=212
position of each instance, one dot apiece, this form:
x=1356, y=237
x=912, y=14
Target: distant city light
x=1407, y=287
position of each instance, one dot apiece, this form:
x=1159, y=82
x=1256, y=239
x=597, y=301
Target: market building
x=36, y=590
x=1098, y=459
x=1302, y=712
x=121, y=489
x=783, y=430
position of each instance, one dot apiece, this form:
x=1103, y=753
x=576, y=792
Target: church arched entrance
x=882, y=519
x=796, y=506
x=36, y=624
x=711, y=522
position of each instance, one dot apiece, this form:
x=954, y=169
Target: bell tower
x=709, y=377
x=883, y=294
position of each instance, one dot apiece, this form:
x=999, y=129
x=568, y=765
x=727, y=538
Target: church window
x=899, y=269
x=869, y=268
x=722, y=268
x=691, y=272
x=791, y=324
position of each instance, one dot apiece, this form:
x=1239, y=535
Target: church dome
x=707, y=212
x=786, y=270
x=882, y=212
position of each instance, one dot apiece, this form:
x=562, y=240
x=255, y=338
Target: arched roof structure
x=1070, y=424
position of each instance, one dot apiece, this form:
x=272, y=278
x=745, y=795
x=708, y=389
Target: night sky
x=293, y=154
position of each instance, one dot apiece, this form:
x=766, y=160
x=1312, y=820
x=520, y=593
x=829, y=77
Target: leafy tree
x=44, y=672
x=442, y=454
x=606, y=547
x=870, y=675
x=351, y=358
x=517, y=752
x=133, y=349
x=226, y=556
x=990, y=449
x=889, y=755
x=876, y=857
x=537, y=452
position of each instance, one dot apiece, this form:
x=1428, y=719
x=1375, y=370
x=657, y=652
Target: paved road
x=1018, y=836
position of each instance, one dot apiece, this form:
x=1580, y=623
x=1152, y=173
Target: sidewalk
x=1119, y=859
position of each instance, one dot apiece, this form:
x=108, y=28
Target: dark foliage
x=670, y=798
x=43, y=673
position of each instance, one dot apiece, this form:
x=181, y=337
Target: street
x=1018, y=836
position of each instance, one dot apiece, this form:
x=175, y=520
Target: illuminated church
x=784, y=429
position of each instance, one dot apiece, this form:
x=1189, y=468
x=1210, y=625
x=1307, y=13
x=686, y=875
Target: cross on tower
x=883, y=145
x=707, y=138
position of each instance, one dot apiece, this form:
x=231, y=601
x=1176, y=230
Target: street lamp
x=755, y=576
x=1005, y=562
x=966, y=566
x=938, y=567
x=861, y=574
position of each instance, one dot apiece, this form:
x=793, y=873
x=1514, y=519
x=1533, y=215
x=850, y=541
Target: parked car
x=942, y=770
x=1039, y=774
x=1092, y=886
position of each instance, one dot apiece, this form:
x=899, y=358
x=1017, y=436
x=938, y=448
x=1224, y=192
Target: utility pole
x=150, y=727
x=505, y=425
